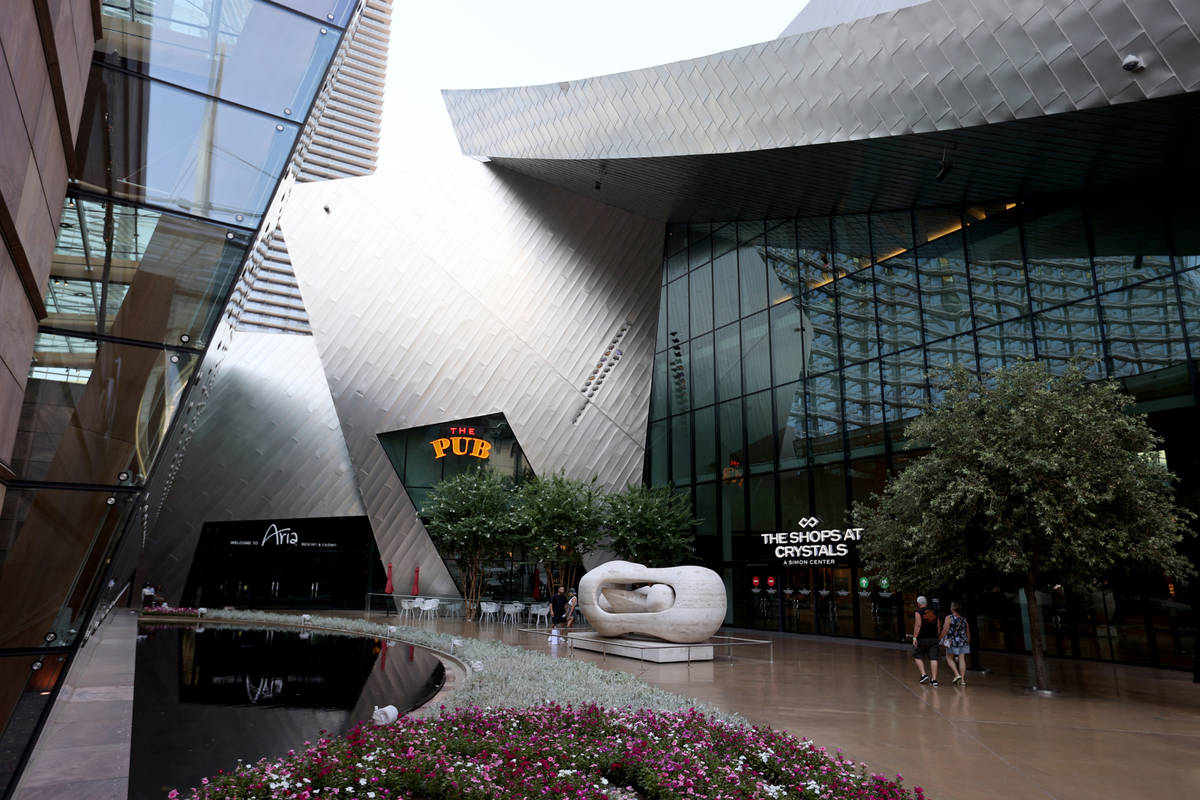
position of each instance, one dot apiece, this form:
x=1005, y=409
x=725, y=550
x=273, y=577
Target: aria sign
x=813, y=546
x=461, y=442
x=276, y=535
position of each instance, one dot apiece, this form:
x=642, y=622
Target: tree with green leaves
x=560, y=520
x=470, y=516
x=651, y=526
x=1031, y=478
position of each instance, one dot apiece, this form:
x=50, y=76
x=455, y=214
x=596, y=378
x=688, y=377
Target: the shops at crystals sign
x=812, y=545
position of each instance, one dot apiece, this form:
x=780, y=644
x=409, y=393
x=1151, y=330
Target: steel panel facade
x=440, y=296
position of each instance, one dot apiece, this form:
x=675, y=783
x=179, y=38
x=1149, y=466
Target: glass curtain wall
x=792, y=352
x=192, y=110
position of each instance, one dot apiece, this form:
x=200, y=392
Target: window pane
x=1142, y=326
x=829, y=483
x=904, y=384
x=1005, y=344
x=752, y=267
x=955, y=350
x=756, y=353
x=333, y=11
x=997, y=274
x=1067, y=332
x=793, y=497
x=867, y=476
x=53, y=543
x=733, y=455
x=724, y=238
x=660, y=342
x=705, y=423
x=700, y=252
x=789, y=423
x=760, y=432
x=852, y=243
x=677, y=366
x=28, y=692
x=944, y=293
x=95, y=409
x=677, y=310
x=676, y=239
x=863, y=405
x=677, y=265
x=729, y=363
x=787, y=343
x=249, y=53
x=899, y=306
x=856, y=306
x=146, y=141
x=733, y=505
x=1060, y=270
x=825, y=415
x=681, y=451
x=702, y=370
x=701, y=300
x=1130, y=244
x=1189, y=291
x=166, y=276
x=659, y=453
x=821, y=307
x=783, y=270
x=705, y=504
x=725, y=288
x=660, y=388
x=891, y=235
x=762, y=503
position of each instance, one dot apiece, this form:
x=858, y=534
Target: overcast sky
x=472, y=44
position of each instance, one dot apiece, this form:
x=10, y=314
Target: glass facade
x=793, y=351
x=192, y=110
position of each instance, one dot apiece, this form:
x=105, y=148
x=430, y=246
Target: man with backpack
x=925, y=642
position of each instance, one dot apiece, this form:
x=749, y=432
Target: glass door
x=798, y=600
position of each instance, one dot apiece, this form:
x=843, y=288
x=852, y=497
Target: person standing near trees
x=572, y=606
x=558, y=611
x=925, y=641
x=956, y=637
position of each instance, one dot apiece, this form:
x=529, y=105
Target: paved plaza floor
x=1110, y=731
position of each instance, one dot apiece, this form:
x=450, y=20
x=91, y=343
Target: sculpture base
x=655, y=650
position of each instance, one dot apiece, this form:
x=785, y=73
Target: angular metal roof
x=1015, y=95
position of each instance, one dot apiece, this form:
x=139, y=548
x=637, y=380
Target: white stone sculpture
x=386, y=715
x=679, y=604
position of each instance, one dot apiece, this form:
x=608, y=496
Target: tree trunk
x=474, y=575
x=1040, y=669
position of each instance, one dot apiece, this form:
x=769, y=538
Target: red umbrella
x=389, y=588
x=416, y=581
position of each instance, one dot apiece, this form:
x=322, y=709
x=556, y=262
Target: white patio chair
x=429, y=608
x=540, y=614
x=407, y=605
x=510, y=613
x=488, y=610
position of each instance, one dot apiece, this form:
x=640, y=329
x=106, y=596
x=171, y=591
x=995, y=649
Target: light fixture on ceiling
x=1133, y=63
x=944, y=167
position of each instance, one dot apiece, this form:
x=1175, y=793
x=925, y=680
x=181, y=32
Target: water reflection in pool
x=206, y=697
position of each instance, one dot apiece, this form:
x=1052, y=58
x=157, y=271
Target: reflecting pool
x=205, y=697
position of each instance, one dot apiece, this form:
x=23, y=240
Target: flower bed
x=555, y=752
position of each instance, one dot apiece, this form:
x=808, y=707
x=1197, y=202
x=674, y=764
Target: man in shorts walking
x=925, y=642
